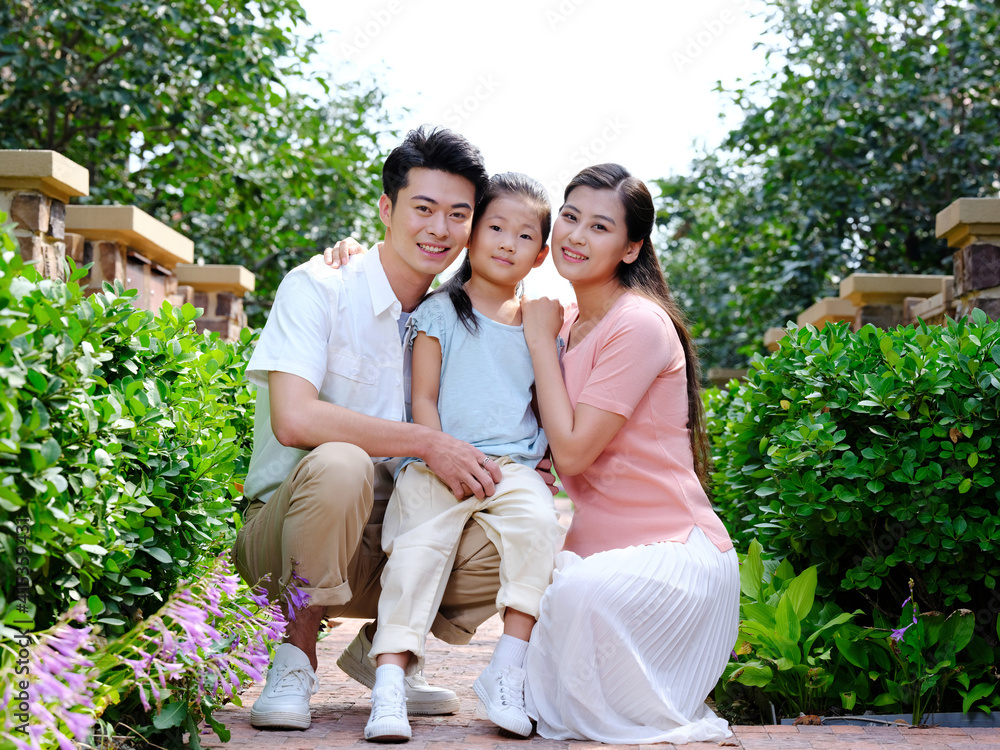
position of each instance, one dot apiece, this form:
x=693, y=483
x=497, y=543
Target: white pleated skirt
x=630, y=642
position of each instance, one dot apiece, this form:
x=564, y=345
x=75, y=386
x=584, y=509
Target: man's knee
x=345, y=461
x=335, y=475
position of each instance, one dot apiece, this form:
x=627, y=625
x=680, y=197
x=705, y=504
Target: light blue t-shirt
x=486, y=378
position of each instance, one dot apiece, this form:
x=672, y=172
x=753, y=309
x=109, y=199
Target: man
x=331, y=402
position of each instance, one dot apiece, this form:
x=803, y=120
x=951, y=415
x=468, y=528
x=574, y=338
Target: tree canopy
x=196, y=111
x=879, y=114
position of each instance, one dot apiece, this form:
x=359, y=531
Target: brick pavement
x=340, y=710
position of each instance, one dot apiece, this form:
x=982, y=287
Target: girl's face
x=507, y=241
x=589, y=236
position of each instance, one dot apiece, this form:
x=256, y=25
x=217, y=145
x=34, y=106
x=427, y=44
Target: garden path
x=340, y=710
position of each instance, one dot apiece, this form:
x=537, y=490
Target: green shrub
x=873, y=456
x=121, y=434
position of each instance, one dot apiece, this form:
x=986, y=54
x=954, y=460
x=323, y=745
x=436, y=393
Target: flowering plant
x=161, y=679
x=923, y=648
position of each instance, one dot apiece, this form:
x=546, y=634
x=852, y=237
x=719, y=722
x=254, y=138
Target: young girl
x=472, y=378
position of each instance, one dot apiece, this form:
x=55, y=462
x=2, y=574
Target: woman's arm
x=577, y=437
x=426, y=380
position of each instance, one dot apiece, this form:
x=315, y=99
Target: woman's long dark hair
x=644, y=276
x=505, y=185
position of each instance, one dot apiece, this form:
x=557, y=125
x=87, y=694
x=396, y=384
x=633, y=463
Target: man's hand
x=544, y=469
x=339, y=254
x=466, y=470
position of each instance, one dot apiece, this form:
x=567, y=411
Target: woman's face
x=589, y=237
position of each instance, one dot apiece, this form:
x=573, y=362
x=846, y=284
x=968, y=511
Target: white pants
x=420, y=534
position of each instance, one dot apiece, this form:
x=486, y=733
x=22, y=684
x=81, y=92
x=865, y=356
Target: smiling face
x=507, y=241
x=589, y=237
x=428, y=225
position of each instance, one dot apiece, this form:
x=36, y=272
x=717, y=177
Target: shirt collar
x=383, y=298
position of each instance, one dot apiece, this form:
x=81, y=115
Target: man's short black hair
x=433, y=148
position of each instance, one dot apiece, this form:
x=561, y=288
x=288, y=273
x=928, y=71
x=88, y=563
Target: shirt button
x=354, y=371
x=398, y=381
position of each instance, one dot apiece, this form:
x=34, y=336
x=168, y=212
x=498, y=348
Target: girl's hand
x=339, y=254
x=542, y=318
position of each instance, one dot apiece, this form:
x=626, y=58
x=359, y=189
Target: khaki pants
x=421, y=535
x=326, y=521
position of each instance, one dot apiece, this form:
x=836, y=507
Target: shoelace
x=390, y=704
x=295, y=679
x=509, y=696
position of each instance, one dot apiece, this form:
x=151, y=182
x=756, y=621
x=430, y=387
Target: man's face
x=430, y=222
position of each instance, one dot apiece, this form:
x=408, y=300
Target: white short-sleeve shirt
x=338, y=329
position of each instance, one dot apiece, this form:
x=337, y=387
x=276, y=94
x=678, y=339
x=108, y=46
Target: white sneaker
x=387, y=722
x=501, y=699
x=421, y=699
x=290, y=683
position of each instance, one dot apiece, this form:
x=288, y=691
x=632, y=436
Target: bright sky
x=547, y=87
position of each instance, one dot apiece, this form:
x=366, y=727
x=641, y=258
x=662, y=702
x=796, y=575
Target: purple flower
x=293, y=594
x=60, y=686
x=897, y=635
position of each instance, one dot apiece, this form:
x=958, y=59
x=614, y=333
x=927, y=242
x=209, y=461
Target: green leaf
x=958, y=629
x=752, y=572
x=801, y=592
x=172, y=715
x=48, y=454
x=754, y=676
x=758, y=612
x=976, y=693
x=853, y=651
x=787, y=623
x=158, y=554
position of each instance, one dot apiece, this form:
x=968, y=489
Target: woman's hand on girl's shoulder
x=339, y=254
x=542, y=318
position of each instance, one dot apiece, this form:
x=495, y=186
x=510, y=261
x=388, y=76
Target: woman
x=642, y=613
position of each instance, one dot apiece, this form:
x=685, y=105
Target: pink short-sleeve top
x=643, y=488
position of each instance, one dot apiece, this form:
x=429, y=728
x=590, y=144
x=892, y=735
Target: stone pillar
x=879, y=297
x=35, y=187
x=972, y=227
x=218, y=290
x=931, y=310
x=827, y=310
x=771, y=338
x=720, y=376
x=127, y=244
x=108, y=258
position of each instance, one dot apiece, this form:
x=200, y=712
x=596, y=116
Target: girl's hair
x=505, y=185
x=644, y=276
